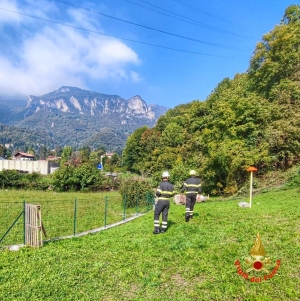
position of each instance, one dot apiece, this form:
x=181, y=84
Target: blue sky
x=169, y=52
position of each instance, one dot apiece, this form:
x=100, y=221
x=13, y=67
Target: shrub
x=9, y=178
x=137, y=191
x=294, y=178
x=15, y=179
x=62, y=178
x=84, y=177
x=32, y=181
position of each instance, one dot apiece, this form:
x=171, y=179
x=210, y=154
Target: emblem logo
x=257, y=264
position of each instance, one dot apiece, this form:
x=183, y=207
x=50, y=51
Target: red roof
x=24, y=154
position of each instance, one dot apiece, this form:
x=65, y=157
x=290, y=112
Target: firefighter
x=164, y=192
x=191, y=187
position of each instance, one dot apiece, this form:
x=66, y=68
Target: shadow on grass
x=195, y=214
x=171, y=223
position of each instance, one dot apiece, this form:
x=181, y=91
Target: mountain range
x=76, y=117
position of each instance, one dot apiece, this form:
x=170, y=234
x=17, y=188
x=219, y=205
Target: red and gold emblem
x=257, y=263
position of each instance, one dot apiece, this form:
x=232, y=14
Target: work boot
x=156, y=231
x=187, y=218
x=163, y=230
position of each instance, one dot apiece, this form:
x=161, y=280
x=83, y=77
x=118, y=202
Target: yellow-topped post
x=251, y=169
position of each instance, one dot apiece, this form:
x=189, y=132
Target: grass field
x=191, y=261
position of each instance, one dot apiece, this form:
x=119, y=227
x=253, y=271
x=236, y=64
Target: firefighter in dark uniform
x=191, y=187
x=164, y=192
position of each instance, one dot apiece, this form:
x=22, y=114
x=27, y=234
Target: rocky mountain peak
x=77, y=117
x=78, y=101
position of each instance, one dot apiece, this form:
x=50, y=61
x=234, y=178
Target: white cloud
x=14, y=12
x=55, y=55
x=6, y=16
x=135, y=77
x=83, y=21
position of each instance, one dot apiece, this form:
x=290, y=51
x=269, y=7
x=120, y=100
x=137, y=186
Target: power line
x=208, y=14
x=191, y=21
x=147, y=27
x=97, y=32
x=160, y=12
x=199, y=10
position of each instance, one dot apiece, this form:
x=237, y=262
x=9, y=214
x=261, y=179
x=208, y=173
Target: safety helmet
x=165, y=174
x=192, y=172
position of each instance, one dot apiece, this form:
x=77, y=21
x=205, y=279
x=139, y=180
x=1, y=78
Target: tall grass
x=191, y=261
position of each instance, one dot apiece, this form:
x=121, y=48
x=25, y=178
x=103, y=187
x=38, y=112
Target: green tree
x=63, y=178
x=95, y=156
x=2, y=150
x=133, y=150
x=172, y=135
x=85, y=153
x=292, y=14
x=66, y=155
x=276, y=57
x=87, y=177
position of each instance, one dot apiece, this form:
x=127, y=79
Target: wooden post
x=33, y=226
x=251, y=169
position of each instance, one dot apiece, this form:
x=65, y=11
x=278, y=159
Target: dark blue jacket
x=191, y=186
x=165, y=190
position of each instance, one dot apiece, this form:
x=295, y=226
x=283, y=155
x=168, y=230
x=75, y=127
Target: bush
x=9, y=178
x=33, y=181
x=84, y=177
x=62, y=178
x=137, y=191
x=15, y=179
x=294, y=178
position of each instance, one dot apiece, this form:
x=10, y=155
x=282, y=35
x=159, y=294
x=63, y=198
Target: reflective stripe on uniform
x=161, y=198
x=165, y=192
x=192, y=185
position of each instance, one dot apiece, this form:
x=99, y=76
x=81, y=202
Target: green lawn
x=191, y=261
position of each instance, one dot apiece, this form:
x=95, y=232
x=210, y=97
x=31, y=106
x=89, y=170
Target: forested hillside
x=252, y=119
x=22, y=138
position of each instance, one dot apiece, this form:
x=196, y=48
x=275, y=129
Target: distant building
x=108, y=155
x=53, y=158
x=19, y=156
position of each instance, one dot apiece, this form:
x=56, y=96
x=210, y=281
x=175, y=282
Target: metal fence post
x=19, y=216
x=124, y=212
x=75, y=215
x=147, y=201
x=24, y=225
x=106, y=203
x=137, y=204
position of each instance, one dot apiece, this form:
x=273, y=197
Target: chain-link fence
x=69, y=217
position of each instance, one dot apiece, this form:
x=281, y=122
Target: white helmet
x=165, y=174
x=192, y=172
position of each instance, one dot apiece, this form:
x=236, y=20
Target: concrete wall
x=41, y=166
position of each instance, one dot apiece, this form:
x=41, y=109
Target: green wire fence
x=69, y=217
